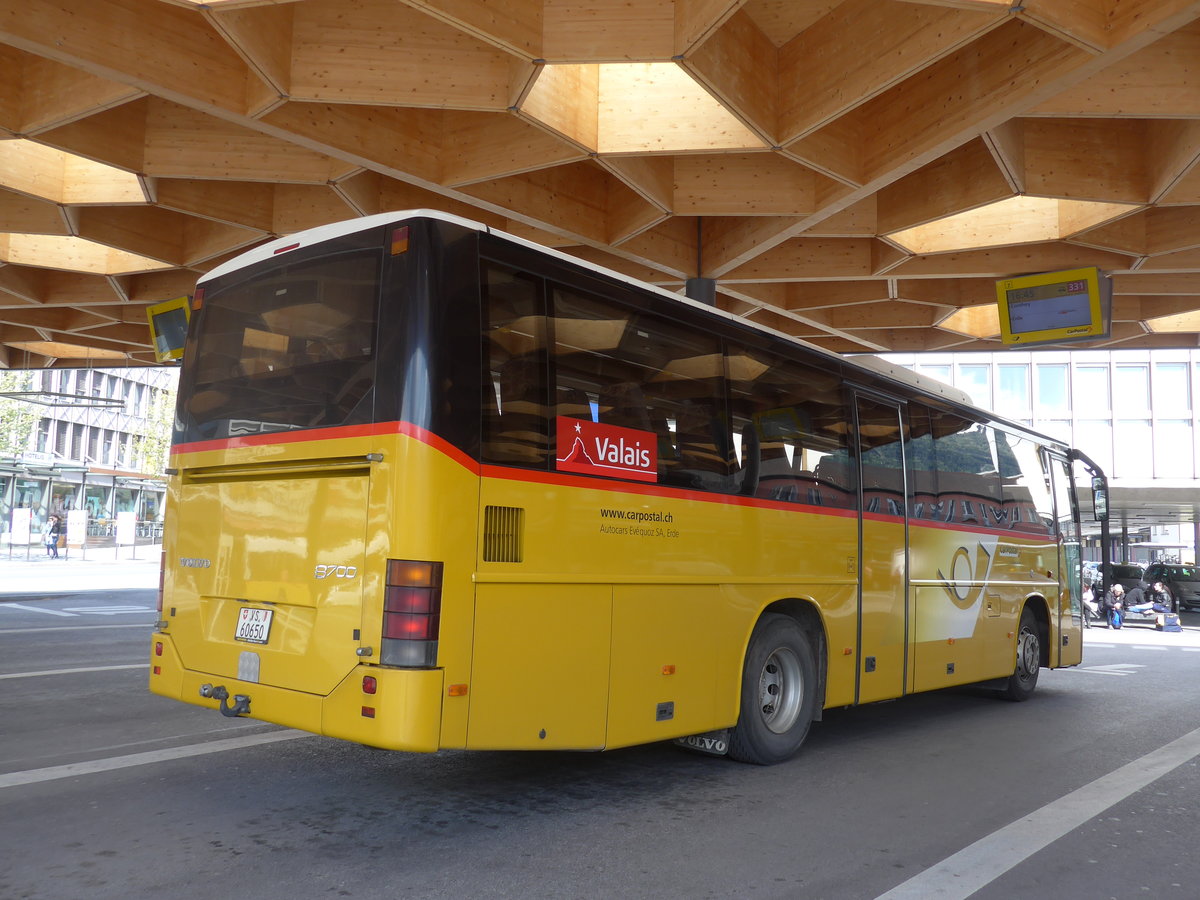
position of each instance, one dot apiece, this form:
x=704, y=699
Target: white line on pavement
x=41, y=609
x=73, y=671
x=146, y=625
x=970, y=869
x=33, y=776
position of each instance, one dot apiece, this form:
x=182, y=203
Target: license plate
x=253, y=625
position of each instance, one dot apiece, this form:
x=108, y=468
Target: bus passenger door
x=1068, y=616
x=883, y=550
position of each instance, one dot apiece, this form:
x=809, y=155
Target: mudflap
x=712, y=743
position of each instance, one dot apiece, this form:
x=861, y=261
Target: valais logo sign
x=597, y=449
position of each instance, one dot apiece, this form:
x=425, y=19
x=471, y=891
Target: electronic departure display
x=1055, y=307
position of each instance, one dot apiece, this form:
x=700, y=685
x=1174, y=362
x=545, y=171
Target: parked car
x=1182, y=581
x=1128, y=575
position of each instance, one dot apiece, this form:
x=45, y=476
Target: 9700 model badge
x=194, y=562
x=335, y=571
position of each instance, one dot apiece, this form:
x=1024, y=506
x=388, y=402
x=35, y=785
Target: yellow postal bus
x=434, y=486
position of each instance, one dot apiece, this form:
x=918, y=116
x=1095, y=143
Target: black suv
x=1182, y=581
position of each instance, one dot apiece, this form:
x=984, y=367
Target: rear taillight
x=412, y=611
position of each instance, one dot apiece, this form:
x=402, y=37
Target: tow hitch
x=241, y=702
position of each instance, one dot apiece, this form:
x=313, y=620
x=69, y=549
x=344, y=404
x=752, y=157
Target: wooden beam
x=146, y=231
x=1150, y=283
x=301, y=206
x=53, y=94
x=1180, y=261
x=30, y=215
x=374, y=137
x=963, y=179
x=733, y=184
x=1084, y=23
x=1101, y=160
x=861, y=49
x=579, y=31
x=116, y=137
x=891, y=314
x=154, y=287
x=242, y=203
x=262, y=37
x=696, y=21
x=1161, y=80
x=858, y=220
x=570, y=199
x=155, y=47
x=628, y=214
x=738, y=66
x=380, y=52
x=566, y=99
x=1003, y=262
x=183, y=143
x=962, y=95
x=957, y=292
x=486, y=146
x=1172, y=150
x=514, y=26
x=669, y=246
x=813, y=295
x=809, y=259
x=1006, y=143
x=652, y=177
x=729, y=242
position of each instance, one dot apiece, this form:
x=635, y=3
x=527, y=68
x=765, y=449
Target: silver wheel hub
x=780, y=690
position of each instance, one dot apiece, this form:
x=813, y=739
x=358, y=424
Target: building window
x=1171, y=387
x=1012, y=390
x=1132, y=438
x=1131, y=389
x=1052, y=388
x=1173, y=448
x=977, y=381
x=1091, y=389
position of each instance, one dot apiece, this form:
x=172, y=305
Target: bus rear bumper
x=404, y=712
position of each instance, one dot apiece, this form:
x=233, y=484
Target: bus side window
x=515, y=422
x=791, y=421
x=968, y=479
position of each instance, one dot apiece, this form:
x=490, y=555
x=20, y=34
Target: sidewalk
x=94, y=569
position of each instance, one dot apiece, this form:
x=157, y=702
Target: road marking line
x=34, y=776
x=972, y=868
x=1149, y=647
x=41, y=609
x=73, y=671
x=4, y=631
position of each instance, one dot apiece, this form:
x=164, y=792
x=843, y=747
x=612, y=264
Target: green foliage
x=18, y=418
x=153, y=446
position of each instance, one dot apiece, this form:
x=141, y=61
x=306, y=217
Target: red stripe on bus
x=339, y=432
x=503, y=473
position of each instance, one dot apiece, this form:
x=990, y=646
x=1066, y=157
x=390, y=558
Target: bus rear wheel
x=779, y=693
x=1029, y=659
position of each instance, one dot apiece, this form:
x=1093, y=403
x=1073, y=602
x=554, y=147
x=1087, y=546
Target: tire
x=1029, y=659
x=779, y=693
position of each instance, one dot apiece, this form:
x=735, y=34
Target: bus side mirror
x=1099, y=499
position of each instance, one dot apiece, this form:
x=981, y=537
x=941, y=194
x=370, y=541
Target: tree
x=153, y=446
x=18, y=418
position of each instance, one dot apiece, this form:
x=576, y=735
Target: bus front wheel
x=779, y=693
x=1029, y=658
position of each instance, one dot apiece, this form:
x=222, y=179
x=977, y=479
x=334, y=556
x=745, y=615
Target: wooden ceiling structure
x=857, y=173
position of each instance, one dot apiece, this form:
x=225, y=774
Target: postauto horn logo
x=597, y=449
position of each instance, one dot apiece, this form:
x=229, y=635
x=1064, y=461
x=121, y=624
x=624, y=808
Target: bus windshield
x=293, y=347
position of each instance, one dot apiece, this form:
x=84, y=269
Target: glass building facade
x=1133, y=412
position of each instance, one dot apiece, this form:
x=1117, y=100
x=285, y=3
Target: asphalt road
x=1090, y=790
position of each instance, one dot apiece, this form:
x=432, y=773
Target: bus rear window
x=290, y=348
